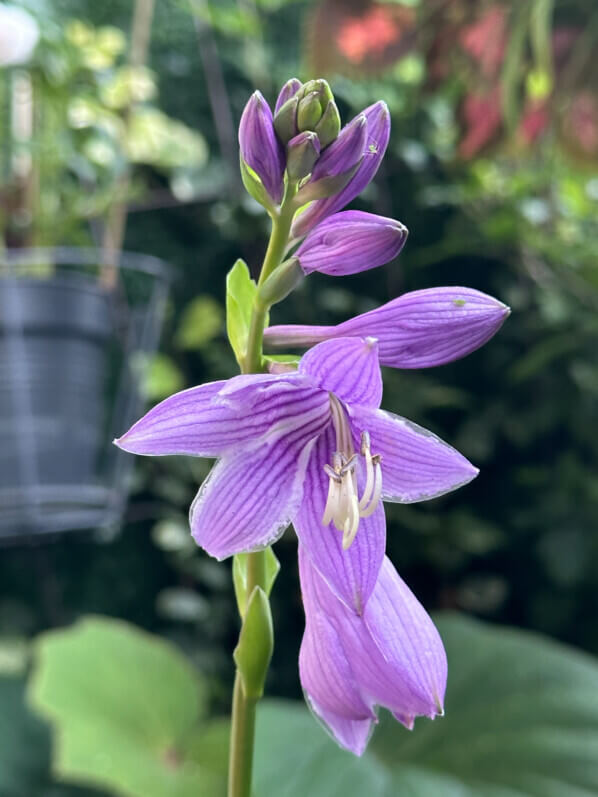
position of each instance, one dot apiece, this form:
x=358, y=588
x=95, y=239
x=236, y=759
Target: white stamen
x=343, y=506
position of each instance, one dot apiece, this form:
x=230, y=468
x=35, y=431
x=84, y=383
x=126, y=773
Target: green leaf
x=241, y=291
x=123, y=704
x=256, y=643
x=521, y=721
x=272, y=566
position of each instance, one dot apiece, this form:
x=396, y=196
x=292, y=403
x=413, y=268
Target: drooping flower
x=377, y=117
x=391, y=655
x=310, y=447
x=420, y=329
x=351, y=241
x=260, y=148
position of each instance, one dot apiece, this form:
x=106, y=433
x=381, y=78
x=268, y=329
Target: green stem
x=243, y=708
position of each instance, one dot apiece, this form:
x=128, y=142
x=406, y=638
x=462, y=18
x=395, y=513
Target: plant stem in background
x=116, y=220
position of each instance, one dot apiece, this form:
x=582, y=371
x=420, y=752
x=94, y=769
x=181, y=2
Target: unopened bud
x=329, y=125
x=309, y=112
x=302, y=153
x=285, y=120
x=281, y=282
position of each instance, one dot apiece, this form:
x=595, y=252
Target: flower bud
x=337, y=165
x=290, y=88
x=329, y=125
x=309, y=112
x=261, y=151
x=302, y=153
x=285, y=120
x=351, y=241
x=281, y=282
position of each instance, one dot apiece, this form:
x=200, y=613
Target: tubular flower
x=349, y=242
x=420, y=329
x=310, y=447
x=391, y=656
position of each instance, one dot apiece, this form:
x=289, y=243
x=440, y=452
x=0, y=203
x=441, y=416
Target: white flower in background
x=19, y=33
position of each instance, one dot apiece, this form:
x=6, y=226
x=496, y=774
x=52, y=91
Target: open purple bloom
x=349, y=242
x=420, y=329
x=260, y=148
x=309, y=447
x=390, y=656
x=378, y=134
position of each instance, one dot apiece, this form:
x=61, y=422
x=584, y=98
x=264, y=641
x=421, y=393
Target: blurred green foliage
x=516, y=218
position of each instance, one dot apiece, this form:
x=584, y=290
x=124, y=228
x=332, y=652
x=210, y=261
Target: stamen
x=343, y=506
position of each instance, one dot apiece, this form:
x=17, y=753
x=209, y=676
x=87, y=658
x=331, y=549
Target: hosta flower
x=391, y=656
x=260, y=148
x=349, y=242
x=310, y=447
x=417, y=330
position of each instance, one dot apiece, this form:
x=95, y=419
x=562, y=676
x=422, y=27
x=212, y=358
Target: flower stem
x=244, y=707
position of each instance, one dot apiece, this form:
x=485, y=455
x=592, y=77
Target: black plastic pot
x=67, y=382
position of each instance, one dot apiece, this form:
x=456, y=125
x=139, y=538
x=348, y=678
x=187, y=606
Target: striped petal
x=416, y=464
x=347, y=367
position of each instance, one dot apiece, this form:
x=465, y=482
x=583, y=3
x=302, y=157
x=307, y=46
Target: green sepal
x=324, y=188
x=329, y=125
x=272, y=566
x=256, y=643
x=241, y=291
x=255, y=187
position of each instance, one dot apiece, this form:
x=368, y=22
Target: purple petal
x=253, y=492
x=416, y=465
x=351, y=574
x=206, y=421
x=260, y=147
x=391, y=656
x=417, y=330
x=378, y=134
x=344, y=152
x=347, y=367
x=351, y=241
x=290, y=88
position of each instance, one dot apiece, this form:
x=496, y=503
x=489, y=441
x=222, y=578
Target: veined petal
x=420, y=329
x=390, y=656
x=253, y=492
x=349, y=242
x=347, y=367
x=260, y=148
x=416, y=464
x=208, y=420
x=352, y=573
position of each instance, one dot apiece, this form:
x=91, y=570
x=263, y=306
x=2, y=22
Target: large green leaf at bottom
x=521, y=721
x=126, y=706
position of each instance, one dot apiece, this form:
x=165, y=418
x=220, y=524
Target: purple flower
x=417, y=330
x=391, y=656
x=310, y=447
x=378, y=134
x=345, y=152
x=260, y=148
x=349, y=242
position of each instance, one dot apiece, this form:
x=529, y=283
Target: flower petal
x=253, y=492
x=290, y=88
x=208, y=420
x=420, y=329
x=347, y=367
x=416, y=464
x=260, y=148
x=349, y=242
x=351, y=574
